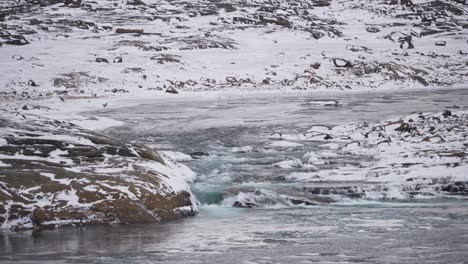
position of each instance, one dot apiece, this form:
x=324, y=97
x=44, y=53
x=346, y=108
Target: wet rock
x=128, y=31
x=266, y=198
x=198, y=154
x=136, y=3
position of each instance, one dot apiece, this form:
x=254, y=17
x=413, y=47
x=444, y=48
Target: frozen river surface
x=234, y=133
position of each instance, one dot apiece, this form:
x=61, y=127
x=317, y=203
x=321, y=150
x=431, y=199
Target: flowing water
x=233, y=133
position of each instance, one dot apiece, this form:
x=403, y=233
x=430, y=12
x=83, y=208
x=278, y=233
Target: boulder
x=54, y=173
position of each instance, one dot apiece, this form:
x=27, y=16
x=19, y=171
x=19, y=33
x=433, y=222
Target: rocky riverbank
x=54, y=173
x=126, y=47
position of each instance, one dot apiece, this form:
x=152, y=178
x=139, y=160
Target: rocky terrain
x=420, y=156
x=85, y=49
x=54, y=173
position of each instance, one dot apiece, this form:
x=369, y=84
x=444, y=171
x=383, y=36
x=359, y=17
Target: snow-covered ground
x=77, y=50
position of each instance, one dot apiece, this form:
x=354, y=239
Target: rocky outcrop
x=55, y=173
x=261, y=198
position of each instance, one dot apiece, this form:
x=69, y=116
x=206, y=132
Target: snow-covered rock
x=55, y=173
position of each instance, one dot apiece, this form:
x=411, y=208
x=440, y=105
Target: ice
x=285, y=144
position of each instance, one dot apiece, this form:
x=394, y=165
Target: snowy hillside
x=58, y=48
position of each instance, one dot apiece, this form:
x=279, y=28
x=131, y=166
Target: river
x=234, y=135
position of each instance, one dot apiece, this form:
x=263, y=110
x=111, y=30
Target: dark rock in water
x=441, y=43
x=266, y=198
x=172, y=90
x=136, y=2
x=99, y=60
x=59, y=174
x=128, y=31
x=2, y=17
x=198, y=154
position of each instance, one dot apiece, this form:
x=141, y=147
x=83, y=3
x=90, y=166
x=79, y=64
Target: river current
x=231, y=135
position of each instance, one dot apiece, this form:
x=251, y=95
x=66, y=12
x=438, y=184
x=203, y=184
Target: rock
x=198, y=154
x=103, y=60
x=456, y=188
x=406, y=39
x=59, y=174
x=266, y=198
x=342, y=63
x=441, y=43
x=373, y=29
x=136, y=3
x=420, y=79
x=315, y=66
x=171, y=90
x=32, y=83
x=407, y=2
x=166, y=58
x=118, y=59
x=446, y=113
x=317, y=34
x=128, y=31
x=17, y=40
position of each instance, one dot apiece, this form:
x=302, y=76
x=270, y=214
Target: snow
x=243, y=149
x=177, y=156
x=285, y=144
x=70, y=197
